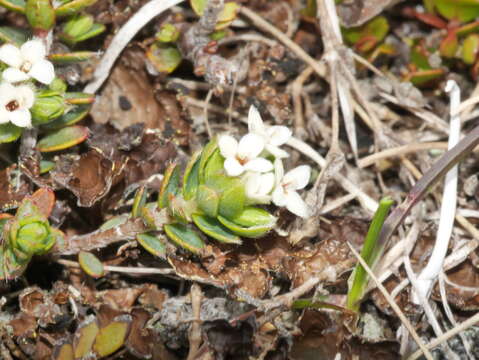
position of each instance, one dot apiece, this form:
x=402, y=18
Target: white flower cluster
x=25, y=63
x=265, y=181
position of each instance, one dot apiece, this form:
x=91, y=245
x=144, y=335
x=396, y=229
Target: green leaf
x=366, y=36
x=164, y=57
x=468, y=29
x=232, y=201
x=73, y=7
x=95, y=30
x=470, y=48
x=251, y=223
x=213, y=228
x=112, y=337
x=74, y=115
x=114, y=222
x=462, y=10
x=14, y=5
x=78, y=25
x=48, y=106
x=84, y=337
x=425, y=77
x=214, y=169
x=91, y=264
x=72, y=57
x=207, y=152
x=420, y=57
x=9, y=132
x=153, y=244
x=139, y=201
x=359, y=277
x=168, y=33
x=207, y=200
x=64, y=352
x=79, y=98
x=13, y=35
x=184, y=237
x=40, y=14
x=63, y=138
x=225, y=18
x=46, y=166
x=191, y=177
x=170, y=185
x=449, y=45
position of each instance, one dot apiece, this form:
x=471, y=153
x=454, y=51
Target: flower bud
x=40, y=14
x=30, y=233
x=48, y=106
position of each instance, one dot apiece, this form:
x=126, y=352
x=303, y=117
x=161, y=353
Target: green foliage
x=205, y=197
x=63, y=138
x=370, y=251
x=26, y=234
x=80, y=28
x=461, y=10
x=40, y=14
x=367, y=36
x=48, y=106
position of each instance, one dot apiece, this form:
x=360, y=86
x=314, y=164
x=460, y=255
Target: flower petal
x=27, y=96
x=7, y=92
x=233, y=167
x=266, y=183
x=13, y=75
x=297, y=178
x=33, y=51
x=21, y=117
x=11, y=55
x=228, y=146
x=279, y=197
x=296, y=205
x=250, y=146
x=278, y=171
x=42, y=71
x=260, y=165
x=276, y=151
x=278, y=135
x=3, y=115
x=255, y=123
x=252, y=184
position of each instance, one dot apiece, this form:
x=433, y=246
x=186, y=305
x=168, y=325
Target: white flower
x=285, y=193
x=27, y=62
x=258, y=187
x=15, y=102
x=243, y=156
x=273, y=136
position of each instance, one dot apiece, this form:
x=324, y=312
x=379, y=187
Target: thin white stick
x=447, y=335
x=123, y=37
x=431, y=271
x=450, y=315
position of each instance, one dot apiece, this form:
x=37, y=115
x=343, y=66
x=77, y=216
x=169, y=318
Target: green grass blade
x=369, y=253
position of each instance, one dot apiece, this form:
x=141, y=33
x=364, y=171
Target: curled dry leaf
x=89, y=176
x=39, y=304
x=128, y=98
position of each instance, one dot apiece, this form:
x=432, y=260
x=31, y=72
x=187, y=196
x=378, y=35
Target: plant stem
x=369, y=253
